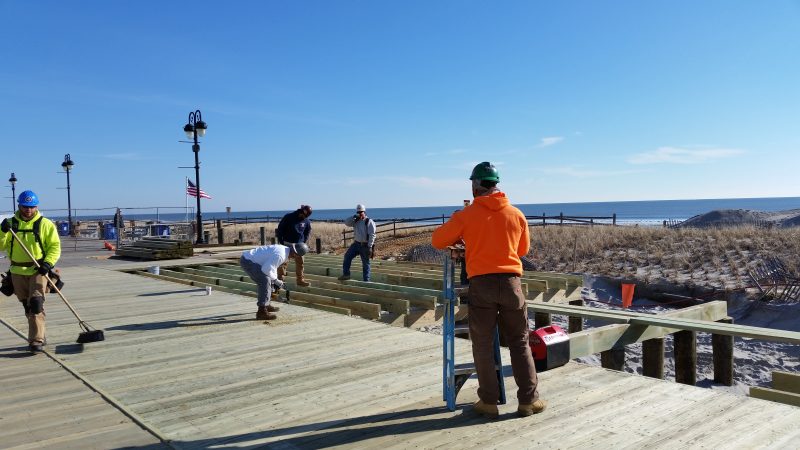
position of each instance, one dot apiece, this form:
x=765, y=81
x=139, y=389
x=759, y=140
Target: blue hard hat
x=28, y=198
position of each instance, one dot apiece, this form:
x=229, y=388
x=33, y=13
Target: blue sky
x=390, y=103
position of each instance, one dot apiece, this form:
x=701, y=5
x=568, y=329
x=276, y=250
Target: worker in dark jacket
x=294, y=228
x=40, y=237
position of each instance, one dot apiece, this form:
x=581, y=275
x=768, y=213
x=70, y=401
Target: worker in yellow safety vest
x=40, y=237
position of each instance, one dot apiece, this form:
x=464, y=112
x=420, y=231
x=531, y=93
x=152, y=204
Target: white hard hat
x=360, y=207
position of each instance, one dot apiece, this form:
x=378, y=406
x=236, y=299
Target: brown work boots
x=485, y=409
x=534, y=408
x=267, y=312
x=491, y=411
x=35, y=347
x=303, y=283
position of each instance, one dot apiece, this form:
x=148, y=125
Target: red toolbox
x=550, y=347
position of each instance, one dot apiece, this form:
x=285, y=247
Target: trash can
x=63, y=228
x=159, y=230
x=110, y=232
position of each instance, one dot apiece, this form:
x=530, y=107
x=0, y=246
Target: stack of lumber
x=151, y=248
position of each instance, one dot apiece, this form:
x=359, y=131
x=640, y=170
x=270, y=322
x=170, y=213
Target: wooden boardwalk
x=43, y=406
x=199, y=372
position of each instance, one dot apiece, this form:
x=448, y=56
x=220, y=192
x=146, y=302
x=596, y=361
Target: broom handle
x=46, y=276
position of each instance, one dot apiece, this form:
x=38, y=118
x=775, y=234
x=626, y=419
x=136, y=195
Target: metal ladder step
x=469, y=368
x=455, y=375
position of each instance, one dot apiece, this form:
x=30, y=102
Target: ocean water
x=644, y=212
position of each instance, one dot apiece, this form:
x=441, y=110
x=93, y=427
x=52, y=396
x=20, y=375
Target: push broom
x=88, y=334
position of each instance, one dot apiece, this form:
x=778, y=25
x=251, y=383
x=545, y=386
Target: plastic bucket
x=155, y=270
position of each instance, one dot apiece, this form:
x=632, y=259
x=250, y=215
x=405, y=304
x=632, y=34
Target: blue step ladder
x=455, y=375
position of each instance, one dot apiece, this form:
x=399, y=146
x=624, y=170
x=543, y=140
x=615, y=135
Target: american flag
x=191, y=190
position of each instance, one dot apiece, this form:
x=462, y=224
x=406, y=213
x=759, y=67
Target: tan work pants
x=497, y=300
x=26, y=288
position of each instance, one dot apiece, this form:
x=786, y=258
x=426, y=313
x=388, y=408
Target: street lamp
x=67, y=165
x=13, y=181
x=194, y=129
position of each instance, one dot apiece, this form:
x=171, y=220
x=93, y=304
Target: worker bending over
x=261, y=264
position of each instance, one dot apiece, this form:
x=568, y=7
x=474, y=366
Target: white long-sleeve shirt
x=363, y=230
x=269, y=257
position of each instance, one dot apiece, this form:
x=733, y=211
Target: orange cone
x=108, y=246
x=627, y=294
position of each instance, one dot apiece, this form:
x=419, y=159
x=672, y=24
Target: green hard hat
x=485, y=171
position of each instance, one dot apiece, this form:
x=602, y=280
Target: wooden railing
x=394, y=226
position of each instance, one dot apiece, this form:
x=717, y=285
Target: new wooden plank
x=775, y=395
x=235, y=385
x=60, y=411
x=786, y=381
x=792, y=337
x=596, y=340
x=286, y=389
x=365, y=310
x=425, y=292
x=154, y=367
x=393, y=305
x=414, y=299
x=327, y=308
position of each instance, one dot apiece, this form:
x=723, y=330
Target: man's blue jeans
x=262, y=280
x=357, y=248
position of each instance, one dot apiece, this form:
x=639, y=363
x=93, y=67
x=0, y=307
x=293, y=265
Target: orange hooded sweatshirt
x=495, y=233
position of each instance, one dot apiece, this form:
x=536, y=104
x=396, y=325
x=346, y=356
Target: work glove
x=45, y=268
x=277, y=284
x=5, y=226
x=372, y=252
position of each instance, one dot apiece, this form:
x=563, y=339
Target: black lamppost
x=194, y=129
x=67, y=165
x=13, y=181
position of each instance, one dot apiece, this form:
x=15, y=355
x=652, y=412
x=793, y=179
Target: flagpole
x=186, y=198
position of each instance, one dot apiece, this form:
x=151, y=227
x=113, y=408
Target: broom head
x=91, y=336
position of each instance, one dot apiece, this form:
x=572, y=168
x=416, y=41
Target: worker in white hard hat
x=363, y=242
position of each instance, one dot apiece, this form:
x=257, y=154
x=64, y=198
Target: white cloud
x=577, y=172
x=548, y=141
x=467, y=166
x=408, y=182
x=675, y=155
x=455, y=151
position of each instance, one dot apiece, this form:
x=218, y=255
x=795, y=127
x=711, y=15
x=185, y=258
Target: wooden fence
x=402, y=226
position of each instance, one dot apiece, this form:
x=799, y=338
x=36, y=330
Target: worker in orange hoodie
x=495, y=235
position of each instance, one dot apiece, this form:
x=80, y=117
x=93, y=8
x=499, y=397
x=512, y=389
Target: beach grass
x=712, y=257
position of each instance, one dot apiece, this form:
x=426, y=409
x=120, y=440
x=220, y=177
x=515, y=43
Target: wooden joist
x=775, y=395
x=786, y=381
x=785, y=389
x=404, y=291
x=366, y=310
x=597, y=340
x=396, y=302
